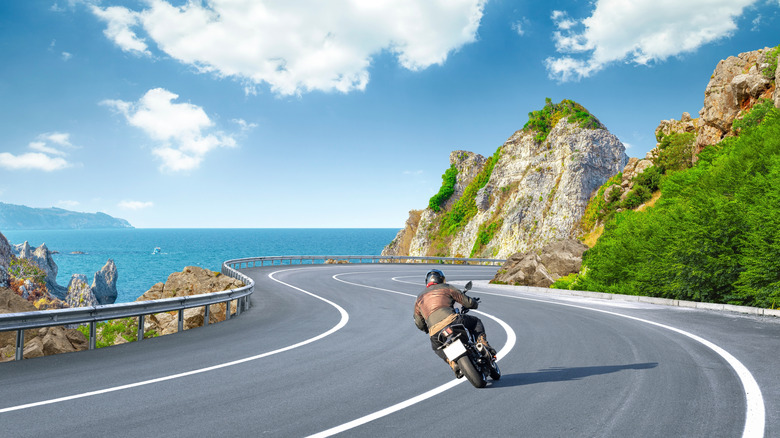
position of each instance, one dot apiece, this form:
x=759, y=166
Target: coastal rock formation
x=191, y=281
x=79, y=292
x=42, y=257
x=103, y=287
x=37, y=342
x=5, y=260
x=736, y=84
x=542, y=268
x=104, y=284
x=528, y=194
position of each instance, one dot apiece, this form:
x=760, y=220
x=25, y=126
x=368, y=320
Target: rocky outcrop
x=541, y=268
x=6, y=255
x=104, y=284
x=103, y=287
x=79, y=292
x=191, y=281
x=736, y=84
x=37, y=342
x=42, y=257
x=536, y=193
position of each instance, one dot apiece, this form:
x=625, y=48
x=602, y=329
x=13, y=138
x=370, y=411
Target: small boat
x=157, y=250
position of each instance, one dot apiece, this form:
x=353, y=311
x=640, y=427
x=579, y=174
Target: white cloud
x=244, y=125
x=32, y=161
x=135, y=205
x=45, y=157
x=300, y=46
x=40, y=146
x=119, y=22
x=640, y=31
x=180, y=129
x=60, y=138
x=66, y=56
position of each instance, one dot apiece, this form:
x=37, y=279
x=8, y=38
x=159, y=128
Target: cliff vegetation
x=531, y=191
x=713, y=185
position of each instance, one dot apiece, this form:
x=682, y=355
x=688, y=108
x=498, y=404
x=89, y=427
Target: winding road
x=332, y=349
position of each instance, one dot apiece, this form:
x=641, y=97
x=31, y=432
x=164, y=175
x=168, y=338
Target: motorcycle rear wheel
x=472, y=374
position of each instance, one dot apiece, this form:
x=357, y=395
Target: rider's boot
x=483, y=340
x=455, y=368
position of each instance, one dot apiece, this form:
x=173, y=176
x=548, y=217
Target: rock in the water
x=6, y=255
x=104, y=284
x=42, y=257
x=79, y=293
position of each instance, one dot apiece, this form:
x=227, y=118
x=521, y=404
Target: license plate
x=455, y=350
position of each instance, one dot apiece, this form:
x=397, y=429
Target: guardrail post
x=92, y=335
x=206, y=315
x=140, y=327
x=19, y=344
x=181, y=321
x=227, y=311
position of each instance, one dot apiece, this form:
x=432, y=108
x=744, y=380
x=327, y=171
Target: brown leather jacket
x=435, y=304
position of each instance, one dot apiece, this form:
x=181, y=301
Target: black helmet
x=434, y=276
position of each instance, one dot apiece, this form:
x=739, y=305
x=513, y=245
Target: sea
x=140, y=266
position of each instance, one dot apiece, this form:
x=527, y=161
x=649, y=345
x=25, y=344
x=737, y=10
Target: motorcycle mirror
x=468, y=286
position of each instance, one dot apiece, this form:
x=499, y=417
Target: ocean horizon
x=139, y=267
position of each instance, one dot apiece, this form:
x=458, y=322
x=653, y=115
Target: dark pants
x=472, y=323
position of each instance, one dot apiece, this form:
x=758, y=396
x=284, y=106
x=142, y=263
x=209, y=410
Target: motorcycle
x=473, y=359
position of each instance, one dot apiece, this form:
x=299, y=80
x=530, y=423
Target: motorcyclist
x=434, y=310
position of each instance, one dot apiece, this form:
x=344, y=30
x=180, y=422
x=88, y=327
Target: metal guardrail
x=138, y=309
x=301, y=260
x=91, y=315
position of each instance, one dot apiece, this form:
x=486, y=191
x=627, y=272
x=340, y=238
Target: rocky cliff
x=531, y=192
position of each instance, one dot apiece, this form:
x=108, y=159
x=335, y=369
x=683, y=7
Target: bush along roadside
x=713, y=236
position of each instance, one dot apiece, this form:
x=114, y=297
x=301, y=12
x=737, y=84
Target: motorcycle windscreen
x=455, y=350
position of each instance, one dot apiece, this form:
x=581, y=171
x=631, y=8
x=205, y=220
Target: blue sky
x=296, y=113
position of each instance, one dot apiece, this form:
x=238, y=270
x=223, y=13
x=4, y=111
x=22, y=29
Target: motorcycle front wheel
x=495, y=372
x=472, y=374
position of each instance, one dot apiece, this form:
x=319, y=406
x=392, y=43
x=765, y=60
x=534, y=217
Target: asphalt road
x=333, y=349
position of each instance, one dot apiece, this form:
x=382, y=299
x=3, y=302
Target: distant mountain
x=21, y=217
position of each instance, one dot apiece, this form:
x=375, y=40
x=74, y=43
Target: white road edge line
x=342, y=323
x=755, y=415
x=510, y=343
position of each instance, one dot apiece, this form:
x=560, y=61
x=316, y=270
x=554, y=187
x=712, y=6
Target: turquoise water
x=139, y=269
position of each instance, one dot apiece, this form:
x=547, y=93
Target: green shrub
x=22, y=268
x=637, y=196
x=650, y=179
x=675, y=152
x=713, y=236
x=108, y=331
x=485, y=234
x=544, y=120
x=771, y=59
x=449, y=179
x=755, y=116
x=465, y=207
